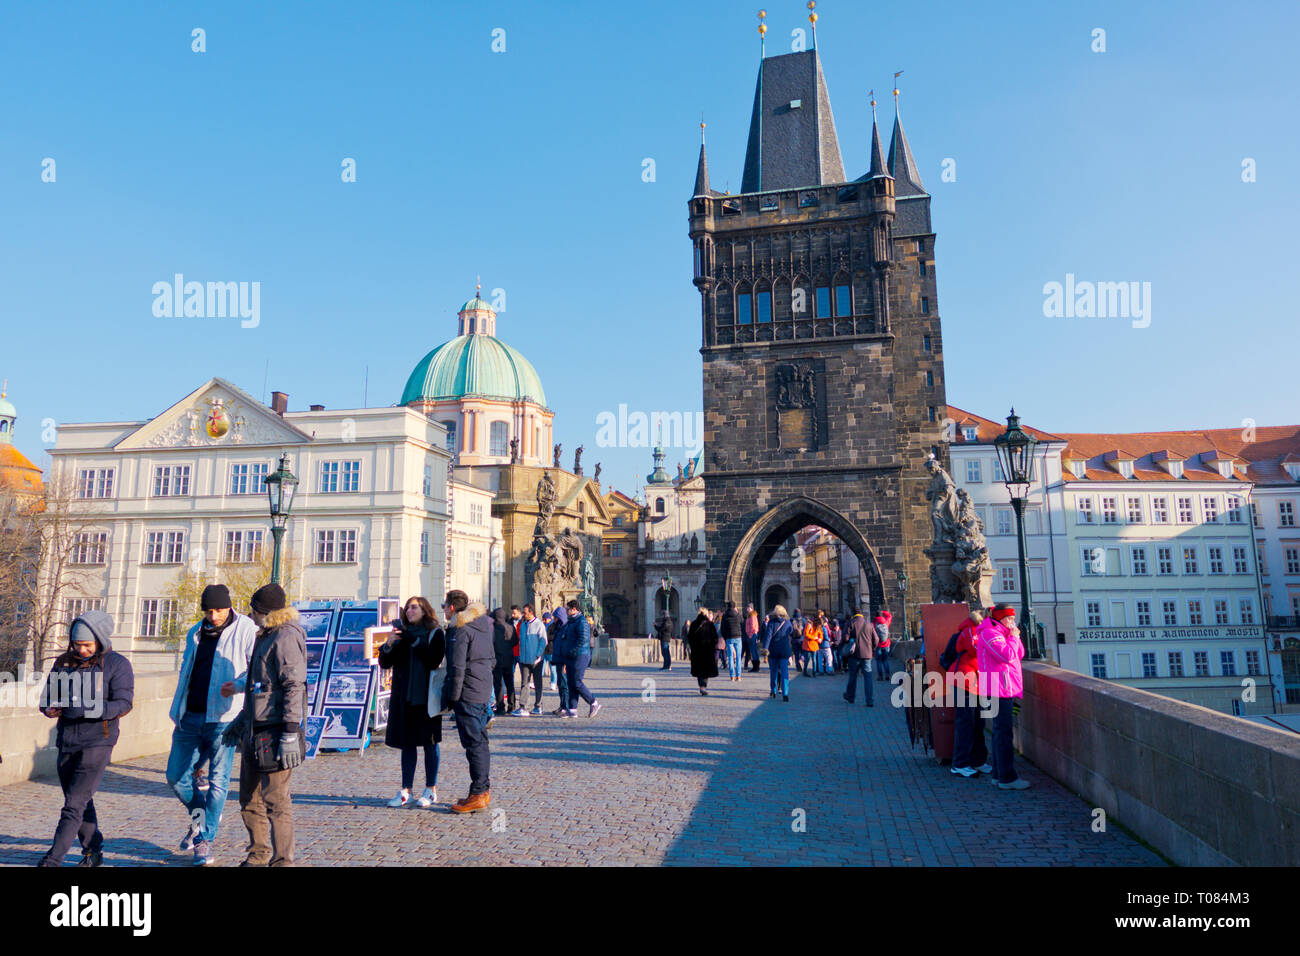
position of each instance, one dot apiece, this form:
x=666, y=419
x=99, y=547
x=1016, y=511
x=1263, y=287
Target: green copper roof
x=476, y=303
x=478, y=364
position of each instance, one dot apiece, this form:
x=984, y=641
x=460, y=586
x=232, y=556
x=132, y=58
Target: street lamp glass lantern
x=1015, y=448
x=281, y=485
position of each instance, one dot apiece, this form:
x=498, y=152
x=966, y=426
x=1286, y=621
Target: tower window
x=921, y=265
x=499, y=439
x=842, y=301
x=744, y=308
x=933, y=416
x=925, y=305
x=823, y=302
x=926, y=344
x=659, y=506
x=765, y=307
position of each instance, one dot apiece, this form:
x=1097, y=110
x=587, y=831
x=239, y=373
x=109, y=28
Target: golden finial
x=812, y=15
x=478, y=286
x=4, y=390
x=896, y=76
x=762, y=27
x=872, y=94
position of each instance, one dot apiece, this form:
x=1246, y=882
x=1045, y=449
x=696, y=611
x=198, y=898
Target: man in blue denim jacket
x=209, y=696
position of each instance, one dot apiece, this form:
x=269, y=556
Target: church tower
x=823, y=361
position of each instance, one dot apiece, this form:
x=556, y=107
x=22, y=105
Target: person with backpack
x=881, y=627
x=857, y=660
x=969, y=752
x=414, y=652
x=998, y=652
x=812, y=642
x=733, y=635
x=779, y=640
x=89, y=689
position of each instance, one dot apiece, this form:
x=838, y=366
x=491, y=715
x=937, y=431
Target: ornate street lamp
x=667, y=583
x=902, y=590
x=1015, y=448
x=280, y=487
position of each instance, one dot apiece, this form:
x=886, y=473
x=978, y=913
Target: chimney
x=279, y=402
x=317, y=408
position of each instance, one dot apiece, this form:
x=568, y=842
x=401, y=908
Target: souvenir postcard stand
x=341, y=679
x=375, y=639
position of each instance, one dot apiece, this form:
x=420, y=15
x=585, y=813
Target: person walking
x=548, y=622
x=799, y=625
x=780, y=640
x=559, y=663
x=826, y=649
x=577, y=645
x=881, y=626
x=812, y=640
x=836, y=644
x=270, y=728
x=858, y=651
x=415, y=650
x=998, y=653
x=703, y=639
x=89, y=689
x=503, y=671
x=686, y=642
x=752, y=628
x=733, y=634
x=209, y=697
x=468, y=691
x=970, y=755
x=664, y=629
x=531, y=648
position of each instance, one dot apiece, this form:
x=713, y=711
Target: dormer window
x=1293, y=469
x=1175, y=469
x=1125, y=468
x=968, y=433
x=1078, y=467
x=1225, y=467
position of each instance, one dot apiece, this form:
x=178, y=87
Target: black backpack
x=949, y=655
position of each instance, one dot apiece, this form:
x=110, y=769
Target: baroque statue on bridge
x=960, y=568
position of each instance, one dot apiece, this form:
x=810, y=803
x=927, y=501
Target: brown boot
x=472, y=803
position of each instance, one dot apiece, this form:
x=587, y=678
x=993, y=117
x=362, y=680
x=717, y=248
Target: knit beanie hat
x=1002, y=613
x=215, y=597
x=268, y=598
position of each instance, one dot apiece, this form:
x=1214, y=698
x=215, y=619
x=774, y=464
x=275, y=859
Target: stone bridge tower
x=823, y=359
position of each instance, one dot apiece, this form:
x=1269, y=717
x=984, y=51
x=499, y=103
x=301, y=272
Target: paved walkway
x=661, y=776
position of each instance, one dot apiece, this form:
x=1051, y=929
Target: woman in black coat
x=703, y=640
x=414, y=652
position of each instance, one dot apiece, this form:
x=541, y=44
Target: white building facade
x=183, y=492
x=474, y=542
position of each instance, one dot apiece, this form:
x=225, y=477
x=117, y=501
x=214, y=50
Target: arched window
x=4, y=427
x=802, y=298
x=499, y=439
x=659, y=506
x=451, y=434
x=723, y=309
x=744, y=305
x=843, y=296
x=763, y=301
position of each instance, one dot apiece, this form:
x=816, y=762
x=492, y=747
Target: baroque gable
x=215, y=415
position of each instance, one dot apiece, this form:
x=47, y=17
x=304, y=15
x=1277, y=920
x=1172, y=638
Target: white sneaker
x=965, y=771
x=985, y=768
x=428, y=798
x=552, y=687
x=519, y=712
x=402, y=799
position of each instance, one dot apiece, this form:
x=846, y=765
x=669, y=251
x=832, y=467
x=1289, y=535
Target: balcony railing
x=1280, y=622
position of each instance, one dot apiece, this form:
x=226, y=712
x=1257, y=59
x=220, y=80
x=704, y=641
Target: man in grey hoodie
x=469, y=691
x=89, y=689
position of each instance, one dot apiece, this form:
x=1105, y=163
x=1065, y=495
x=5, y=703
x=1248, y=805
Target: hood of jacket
x=282, y=616
x=472, y=612
x=101, y=625
x=561, y=616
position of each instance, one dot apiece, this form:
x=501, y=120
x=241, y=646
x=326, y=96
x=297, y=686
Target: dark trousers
x=79, y=774
x=577, y=667
x=968, y=747
x=666, y=652
x=411, y=756
x=471, y=724
x=559, y=668
x=528, y=674
x=856, y=666
x=503, y=679
x=882, y=664
x=1004, y=770
x=755, y=655
x=779, y=670
x=267, y=809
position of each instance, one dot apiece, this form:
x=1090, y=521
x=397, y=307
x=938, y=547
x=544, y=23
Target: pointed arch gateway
x=765, y=536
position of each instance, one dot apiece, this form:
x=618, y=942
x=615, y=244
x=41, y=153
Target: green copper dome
x=479, y=365
x=476, y=303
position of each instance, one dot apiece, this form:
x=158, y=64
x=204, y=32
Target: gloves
x=234, y=733
x=290, y=755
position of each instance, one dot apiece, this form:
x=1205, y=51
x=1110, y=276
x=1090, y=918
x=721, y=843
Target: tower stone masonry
x=821, y=345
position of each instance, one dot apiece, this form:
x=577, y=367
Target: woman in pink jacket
x=998, y=651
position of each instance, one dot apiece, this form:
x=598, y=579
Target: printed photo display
x=342, y=722
x=350, y=656
x=347, y=689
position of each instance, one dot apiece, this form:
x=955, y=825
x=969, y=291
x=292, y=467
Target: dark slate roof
x=877, y=155
x=907, y=178
x=702, y=175
x=789, y=147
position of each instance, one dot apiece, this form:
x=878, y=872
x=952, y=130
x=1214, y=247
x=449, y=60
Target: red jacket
x=967, y=665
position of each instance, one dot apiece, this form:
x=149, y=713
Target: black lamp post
x=667, y=583
x=902, y=590
x=280, y=487
x=1015, y=448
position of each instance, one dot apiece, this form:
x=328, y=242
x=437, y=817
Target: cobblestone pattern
x=677, y=779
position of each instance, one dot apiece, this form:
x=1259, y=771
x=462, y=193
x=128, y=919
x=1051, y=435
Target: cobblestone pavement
x=676, y=779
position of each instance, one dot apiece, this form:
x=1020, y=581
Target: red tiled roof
x=986, y=429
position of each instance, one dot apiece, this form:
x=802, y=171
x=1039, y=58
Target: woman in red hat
x=998, y=651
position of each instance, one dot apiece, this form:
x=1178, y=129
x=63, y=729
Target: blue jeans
x=857, y=665
x=810, y=662
x=882, y=664
x=733, y=656
x=573, y=670
x=193, y=742
x=778, y=669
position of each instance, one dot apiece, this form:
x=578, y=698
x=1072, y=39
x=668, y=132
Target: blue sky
x=525, y=167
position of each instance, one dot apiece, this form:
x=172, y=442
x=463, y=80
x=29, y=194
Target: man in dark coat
x=733, y=634
x=664, y=628
x=469, y=691
x=861, y=638
x=702, y=637
x=504, y=641
x=89, y=689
